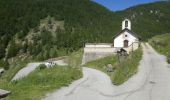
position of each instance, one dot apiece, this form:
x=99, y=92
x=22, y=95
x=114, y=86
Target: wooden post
x=118, y=57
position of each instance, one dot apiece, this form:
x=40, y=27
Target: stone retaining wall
x=97, y=51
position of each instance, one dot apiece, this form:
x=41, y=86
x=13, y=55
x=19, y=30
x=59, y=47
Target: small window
x=126, y=23
x=126, y=35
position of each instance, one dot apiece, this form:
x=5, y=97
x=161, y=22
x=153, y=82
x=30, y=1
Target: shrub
x=4, y=64
x=168, y=60
x=42, y=66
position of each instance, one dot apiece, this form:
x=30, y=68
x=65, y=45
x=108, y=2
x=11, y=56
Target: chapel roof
x=129, y=31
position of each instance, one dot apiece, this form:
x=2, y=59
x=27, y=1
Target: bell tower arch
x=126, y=24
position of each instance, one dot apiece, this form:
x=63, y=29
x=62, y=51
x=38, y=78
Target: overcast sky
x=116, y=5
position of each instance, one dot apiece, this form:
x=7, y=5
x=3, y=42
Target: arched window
x=126, y=23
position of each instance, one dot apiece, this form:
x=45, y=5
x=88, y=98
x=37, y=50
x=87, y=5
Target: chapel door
x=126, y=43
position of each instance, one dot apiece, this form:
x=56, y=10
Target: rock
x=4, y=93
x=1, y=71
x=109, y=68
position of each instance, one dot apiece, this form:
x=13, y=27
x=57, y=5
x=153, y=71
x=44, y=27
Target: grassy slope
x=122, y=72
x=13, y=69
x=148, y=20
x=101, y=63
x=40, y=82
x=75, y=59
x=162, y=44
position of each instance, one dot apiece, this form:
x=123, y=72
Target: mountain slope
x=84, y=21
x=149, y=19
x=48, y=28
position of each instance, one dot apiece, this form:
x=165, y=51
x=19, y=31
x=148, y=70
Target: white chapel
x=125, y=37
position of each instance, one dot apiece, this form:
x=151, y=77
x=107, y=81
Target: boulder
x=1, y=71
x=4, y=93
x=109, y=68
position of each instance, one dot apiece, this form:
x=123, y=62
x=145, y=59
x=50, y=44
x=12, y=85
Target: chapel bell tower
x=126, y=24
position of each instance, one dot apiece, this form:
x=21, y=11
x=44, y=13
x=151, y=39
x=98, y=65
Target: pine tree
x=12, y=49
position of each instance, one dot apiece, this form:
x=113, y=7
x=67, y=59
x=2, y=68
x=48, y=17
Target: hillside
x=42, y=29
x=149, y=19
x=82, y=21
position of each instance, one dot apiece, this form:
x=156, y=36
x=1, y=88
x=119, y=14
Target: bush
x=4, y=64
x=42, y=66
x=168, y=60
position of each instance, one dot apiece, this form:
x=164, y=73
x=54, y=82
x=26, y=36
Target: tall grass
x=75, y=59
x=127, y=68
x=121, y=71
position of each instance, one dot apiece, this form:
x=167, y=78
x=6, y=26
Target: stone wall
x=97, y=51
x=90, y=56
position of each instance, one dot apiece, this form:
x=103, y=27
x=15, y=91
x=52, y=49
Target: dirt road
x=152, y=82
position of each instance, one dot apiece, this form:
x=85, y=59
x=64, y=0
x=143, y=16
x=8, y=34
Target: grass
x=41, y=82
x=75, y=59
x=13, y=69
x=102, y=63
x=122, y=71
x=162, y=44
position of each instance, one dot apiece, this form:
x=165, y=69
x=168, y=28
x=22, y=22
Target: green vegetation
x=42, y=66
x=102, y=63
x=148, y=20
x=13, y=69
x=41, y=81
x=4, y=64
x=69, y=24
x=128, y=68
x=162, y=44
x=75, y=59
x=42, y=29
x=121, y=71
x=76, y=22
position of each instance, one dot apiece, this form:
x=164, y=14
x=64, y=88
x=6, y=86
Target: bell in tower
x=126, y=24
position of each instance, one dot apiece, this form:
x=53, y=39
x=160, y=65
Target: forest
x=83, y=21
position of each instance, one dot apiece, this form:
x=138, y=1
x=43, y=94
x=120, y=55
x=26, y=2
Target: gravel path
x=31, y=67
x=152, y=82
x=25, y=71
